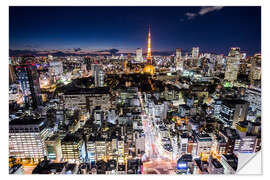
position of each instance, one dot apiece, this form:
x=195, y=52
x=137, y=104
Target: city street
x=156, y=162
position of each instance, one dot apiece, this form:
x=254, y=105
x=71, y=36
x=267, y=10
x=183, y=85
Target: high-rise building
x=87, y=60
x=129, y=57
x=56, y=68
x=139, y=55
x=243, y=55
x=195, y=52
x=26, y=138
x=178, y=59
x=178, y=53
x=98, y=75
x=50, y=57
x=28, y=78
x=253, y=96
x=232, y=66
x=220, y=59
x=255, y=69
x=12, y=76
x=233, y=111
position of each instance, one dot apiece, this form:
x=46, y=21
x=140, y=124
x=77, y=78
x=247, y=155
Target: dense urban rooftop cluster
x=181, y=114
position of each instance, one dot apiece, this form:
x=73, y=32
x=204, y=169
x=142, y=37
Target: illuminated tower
x=149, y=68
x=149, y=47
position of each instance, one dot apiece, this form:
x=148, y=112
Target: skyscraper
x=28, y=78
x=12, y=76
x=232, y=66
x=195, y=52
x=233, y=111
x=179, y=60
x=139, y=56
x=255, y=69
x=178, y=53
x=50, y=57
x=98, y=75
x=56, y=68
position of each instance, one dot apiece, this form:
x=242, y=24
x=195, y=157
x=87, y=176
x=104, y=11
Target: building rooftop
x=46, y=167
x=232, y=160
x=71, y=138
x=53, y=138
x=231, y=133
x=203, y=137
x=78, y=90
x=233, y=102
x=27, y=120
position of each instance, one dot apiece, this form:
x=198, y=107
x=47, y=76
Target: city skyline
x=37, y=29
x=192, y=111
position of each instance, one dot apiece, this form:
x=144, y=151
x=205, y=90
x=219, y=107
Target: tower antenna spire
x=149, y=47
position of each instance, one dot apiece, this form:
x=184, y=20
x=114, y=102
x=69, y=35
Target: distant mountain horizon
x=80, y=52
x=26, y=52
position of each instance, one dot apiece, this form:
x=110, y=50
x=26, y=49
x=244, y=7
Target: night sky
x=213, y=29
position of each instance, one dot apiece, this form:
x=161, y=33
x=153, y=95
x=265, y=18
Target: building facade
x=28, y=78
x=26, y=138
x=232, y=66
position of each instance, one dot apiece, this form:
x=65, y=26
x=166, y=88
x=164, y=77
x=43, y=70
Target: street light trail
x=155, y=159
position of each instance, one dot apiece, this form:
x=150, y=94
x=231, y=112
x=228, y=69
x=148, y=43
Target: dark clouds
x=111, y=51
x=77, y=49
